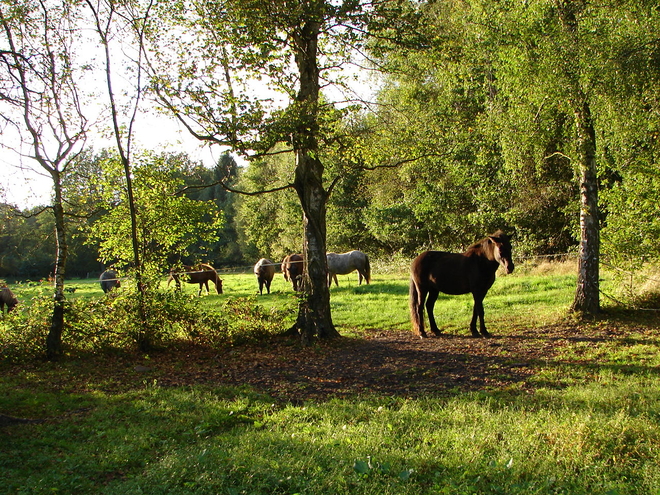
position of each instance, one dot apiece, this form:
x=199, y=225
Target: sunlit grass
x=528, y=296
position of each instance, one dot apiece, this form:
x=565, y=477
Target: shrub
x=113, y=322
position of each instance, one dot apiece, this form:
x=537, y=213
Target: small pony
x=7, y=297
x=109, y=280
x=264, y=271
x=473, y=271
x=292, y=269
x=346, y=263
x=199, y=274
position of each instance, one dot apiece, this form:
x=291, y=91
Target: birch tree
x=43, y=105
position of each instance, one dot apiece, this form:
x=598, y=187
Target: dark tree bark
x=54, y=338
x=587, y=294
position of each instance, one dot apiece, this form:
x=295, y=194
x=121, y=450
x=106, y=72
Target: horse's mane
x=482, y=246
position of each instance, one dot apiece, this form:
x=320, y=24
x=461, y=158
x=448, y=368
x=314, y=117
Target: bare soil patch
x=383, y=363
x=378, y=362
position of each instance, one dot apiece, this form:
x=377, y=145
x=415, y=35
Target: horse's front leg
x=430, y=303
x=478, y=313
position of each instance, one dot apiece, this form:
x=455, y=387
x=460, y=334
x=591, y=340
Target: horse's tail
x=367, y=269
x=414, y=303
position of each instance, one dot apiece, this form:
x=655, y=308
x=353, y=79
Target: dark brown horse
x=199, y=274
x=264, y=271
x=7, y=297
x=473, y=271
x=292, y=269
x=109, y=280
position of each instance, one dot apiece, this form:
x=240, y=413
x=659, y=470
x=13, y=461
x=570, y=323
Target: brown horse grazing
x=264, y=271
x=7, y=297
x=199, y=274
x=292, y=269
x=473, y=271
x=109, y=280
x=346, y=263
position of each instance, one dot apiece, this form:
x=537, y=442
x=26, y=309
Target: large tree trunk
x=314, y=318
x=587, y=294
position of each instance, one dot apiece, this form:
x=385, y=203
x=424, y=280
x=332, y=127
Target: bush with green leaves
x=114, y=322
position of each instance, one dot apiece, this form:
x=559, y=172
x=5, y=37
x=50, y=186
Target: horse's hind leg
x=430, y=303
x=417, y=296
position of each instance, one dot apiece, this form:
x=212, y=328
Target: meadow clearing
x=550, y=404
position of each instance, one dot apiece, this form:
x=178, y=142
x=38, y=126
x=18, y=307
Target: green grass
x=594, y=439
x=381, y=304
x=591, y=425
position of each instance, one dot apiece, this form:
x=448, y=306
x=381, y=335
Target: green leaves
x=373, y=468
x=169, y=223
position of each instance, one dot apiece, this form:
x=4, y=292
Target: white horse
x=345, y=263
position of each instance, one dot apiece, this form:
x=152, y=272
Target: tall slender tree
x=587, y=295
x=40, y=89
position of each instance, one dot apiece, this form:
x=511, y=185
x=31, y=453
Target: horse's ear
x=499, y=237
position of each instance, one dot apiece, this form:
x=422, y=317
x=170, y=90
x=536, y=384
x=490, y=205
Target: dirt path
x=383, y=362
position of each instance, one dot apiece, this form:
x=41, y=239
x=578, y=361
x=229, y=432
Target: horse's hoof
x=486, y=335
x=476, y=335
x=422, y=335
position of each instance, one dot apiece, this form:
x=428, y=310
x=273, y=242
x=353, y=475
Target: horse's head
x=502, y=250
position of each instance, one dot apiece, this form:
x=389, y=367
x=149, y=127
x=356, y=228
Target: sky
x=25, y=184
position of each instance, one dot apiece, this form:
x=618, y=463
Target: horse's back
x=109, y=280
x=264, y=268
x=345, y=263
x=443, y=271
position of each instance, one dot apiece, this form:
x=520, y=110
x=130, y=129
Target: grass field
x=589, y=425
x=383, y=303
